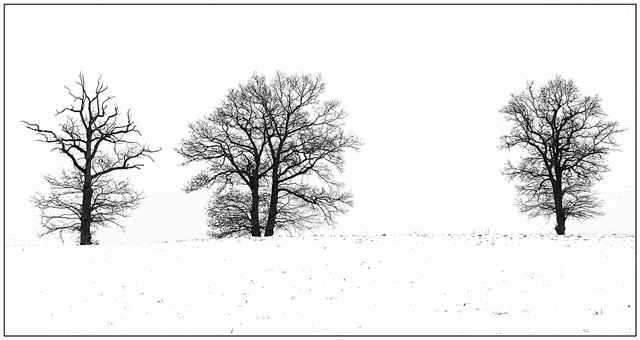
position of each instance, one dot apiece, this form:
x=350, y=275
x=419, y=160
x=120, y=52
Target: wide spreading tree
x=565, y=138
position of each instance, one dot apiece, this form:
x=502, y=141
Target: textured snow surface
x=327, y=285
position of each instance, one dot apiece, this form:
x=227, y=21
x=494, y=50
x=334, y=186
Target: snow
x=327, y=285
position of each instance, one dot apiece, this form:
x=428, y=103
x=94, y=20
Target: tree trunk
x=87, y=193
x=560, y=224
x=557, y=197
x=273, y=203
x=255, y=206
x=273, y=211
x=85, y=220
x=560, y=216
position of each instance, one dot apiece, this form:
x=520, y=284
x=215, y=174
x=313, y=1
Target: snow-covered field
x=427, y=285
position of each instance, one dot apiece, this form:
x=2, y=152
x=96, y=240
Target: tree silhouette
x=96, y=140
x=565, y=140
x=307, y=144
x=232, y=142
x=229, y=212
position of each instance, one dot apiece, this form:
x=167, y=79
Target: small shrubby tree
x=229, y=213
x=97, y=141
x=565, y=140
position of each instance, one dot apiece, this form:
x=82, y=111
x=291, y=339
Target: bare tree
x=232, y=142
x=307, y=143
x=96, y=140
x=229, y=212
x=565, y=140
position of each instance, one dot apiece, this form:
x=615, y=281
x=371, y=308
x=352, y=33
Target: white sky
x=422, y=85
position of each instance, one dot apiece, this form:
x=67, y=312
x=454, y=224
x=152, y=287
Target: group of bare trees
x=272, y=150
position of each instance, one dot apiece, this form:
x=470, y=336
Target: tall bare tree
x=565, y=141
x=307, y=143
x=232, y=142
x=97, y=141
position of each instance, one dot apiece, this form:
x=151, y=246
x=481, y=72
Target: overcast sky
x=422, y=85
